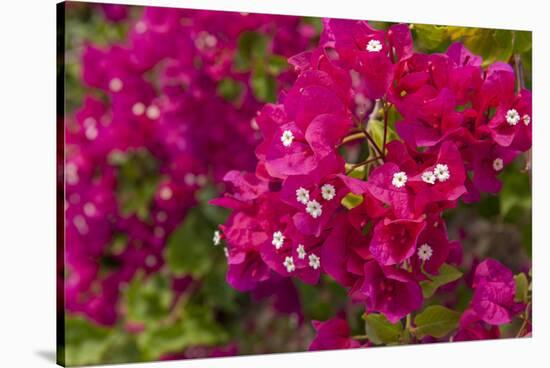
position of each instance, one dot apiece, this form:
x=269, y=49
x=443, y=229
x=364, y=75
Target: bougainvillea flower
x=333, y=334
x=471, y=327
x=494, y=292
x=390, y=291
x=394, y=241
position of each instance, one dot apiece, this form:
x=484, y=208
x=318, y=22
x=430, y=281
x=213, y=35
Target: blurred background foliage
x=161, y=323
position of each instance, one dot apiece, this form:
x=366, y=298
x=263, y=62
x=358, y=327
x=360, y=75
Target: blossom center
x=287, y=137
x=442, y=172
x=399, y=179
x=374, y=46
x=428, y=177
x=425, y=252
x=512, y=117
x=314, y=261
x=289, y=264
x=302, y=195
x=328, y=192
x=278, y=239
x=314, y=208
x=498, y=164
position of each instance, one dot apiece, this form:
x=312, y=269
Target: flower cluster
x=375, y=226
x=152, y=131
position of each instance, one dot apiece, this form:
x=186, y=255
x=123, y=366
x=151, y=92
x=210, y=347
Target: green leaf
x=251, y=46
x=196, y=326
x=148, y=300
x=522, y=288
x=85, y=342
x=491, y=44
x=276, y=64
x=351, y=200
x=189, y=248
x=381, y=331
x=447, y=274
x=230, y=89
x=358, y=172
x=264, y=86
x=436, y=321
x=431, y=37
x=523, y=41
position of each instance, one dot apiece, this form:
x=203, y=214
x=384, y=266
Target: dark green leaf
x=148, y=300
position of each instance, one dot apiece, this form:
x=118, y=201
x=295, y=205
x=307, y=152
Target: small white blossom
x=115, y=85
x=159, y=231
x=89, y=209
x=302, y=195
x=526, y=119
x=424, y=252
x=328, y=192
x=441, y=172
x=428, y=177
x=138, y=108
x=152, y=112
x=141, y=27
x=301, y=251
x=217, y=237
x=399, y=179
x=314, y=208
x=374, y=46
x=289, y=264
x=287, y=137
x=512, y=117
x=166, y=193
x=314, y=261
x=498, y=164
x=278, y=239
x=226, y=252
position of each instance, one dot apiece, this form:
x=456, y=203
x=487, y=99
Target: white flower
x=399, y=179
x=498, y=164
x=289, y=264
x=278, y=239
x=374, y=46
x=428, y=177
x=217, y=237
x=512, y=117
x=166, y=193
x=301, y=251
x=302, y=195
x=425, y=252
x=441, y=172
x=526, y=119
x=287, y=138
x=314, y=261
x=314, y=208
x=152, y=112
x=226, y=252
x=138, y=108
x=89, y=209
x=328, y=192
x=115, y=85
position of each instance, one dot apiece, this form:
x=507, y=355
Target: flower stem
x=362, y=163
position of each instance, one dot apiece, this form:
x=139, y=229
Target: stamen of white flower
x=287, y=138
x=425, y=252
x=314, y=261
x=314, y=208
x=138, y=109
x=115, y=85
x=289, y=264
x=442, y=172
x=328, y=192
x=374, y=46
x=153, y=112
x=526, y=119
x=217, y=237
x=428, y=177
x=498, y=164
x=512, y=117
x=399, y=179
x=278, y=239
x=302, y=195
x=301, y=251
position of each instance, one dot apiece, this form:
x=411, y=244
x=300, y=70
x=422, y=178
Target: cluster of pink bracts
x=153, y=99
x=460, y=124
